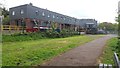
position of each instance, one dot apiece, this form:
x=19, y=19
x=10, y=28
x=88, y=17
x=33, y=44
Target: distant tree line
x=109, y=27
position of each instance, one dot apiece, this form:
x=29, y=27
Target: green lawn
x=110, y=48
x=34, y=52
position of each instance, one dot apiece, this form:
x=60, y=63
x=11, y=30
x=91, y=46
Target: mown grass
x=110, y=48
x=34, y=52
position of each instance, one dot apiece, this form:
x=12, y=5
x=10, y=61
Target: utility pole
x=1, y=18
x=119, y=24
x=119, y=18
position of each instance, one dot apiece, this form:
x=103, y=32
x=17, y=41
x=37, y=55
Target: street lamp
x=23, y=25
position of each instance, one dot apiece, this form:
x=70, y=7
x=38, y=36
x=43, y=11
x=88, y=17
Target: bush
x=38, y=35
x=22, y=37
x=52, y=34
x=6, y=20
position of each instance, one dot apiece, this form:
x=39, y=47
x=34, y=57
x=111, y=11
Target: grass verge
x=34, y=52
x=110, y=48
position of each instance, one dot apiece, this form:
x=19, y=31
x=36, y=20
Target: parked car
x=101, y=32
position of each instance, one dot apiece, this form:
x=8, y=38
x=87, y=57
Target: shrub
x=38, y=35
x=22, y=37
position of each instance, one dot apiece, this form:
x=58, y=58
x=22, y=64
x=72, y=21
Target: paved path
x=85, y=55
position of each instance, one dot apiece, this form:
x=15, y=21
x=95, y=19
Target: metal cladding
x=32, y=12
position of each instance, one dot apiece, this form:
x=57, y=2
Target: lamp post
x=23, y=25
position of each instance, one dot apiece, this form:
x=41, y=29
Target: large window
x=48, y=15
x=21, y=11
x=64, y=18
x=53, y=16
x=43, y=14
x=13, y=13
x=61, y=17
x=57, y=17
x=37, y=12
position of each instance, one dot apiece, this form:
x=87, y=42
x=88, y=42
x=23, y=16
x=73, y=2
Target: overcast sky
x=101, y=10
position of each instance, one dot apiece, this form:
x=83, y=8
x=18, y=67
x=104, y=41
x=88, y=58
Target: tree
x=111, y=27
x=6, y=20
x=5, y=12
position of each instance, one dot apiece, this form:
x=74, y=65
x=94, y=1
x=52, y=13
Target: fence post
x=2, y=27
x=18, y=28
x=9, y=28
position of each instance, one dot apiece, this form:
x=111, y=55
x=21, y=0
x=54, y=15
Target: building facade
x=34, y=17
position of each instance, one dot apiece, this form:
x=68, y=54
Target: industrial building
x=37, y=18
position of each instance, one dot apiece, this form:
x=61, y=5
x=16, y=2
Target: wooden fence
x=10, y=27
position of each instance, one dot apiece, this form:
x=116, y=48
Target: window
x=48, y=15
x=53, y=16
x=57, y=17
x=61, y=17
x=37, y=12
x=13, y=13
x=21, y=11
x=43, y=14
x=74, y=21
x=69, y=20
x=64, y=18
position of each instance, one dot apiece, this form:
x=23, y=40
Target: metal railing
x=116, y=61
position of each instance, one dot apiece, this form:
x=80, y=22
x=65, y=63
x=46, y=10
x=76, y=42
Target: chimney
x=31, y=4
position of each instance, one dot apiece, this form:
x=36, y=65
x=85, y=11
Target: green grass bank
x=34, y=52
x=110, y=48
